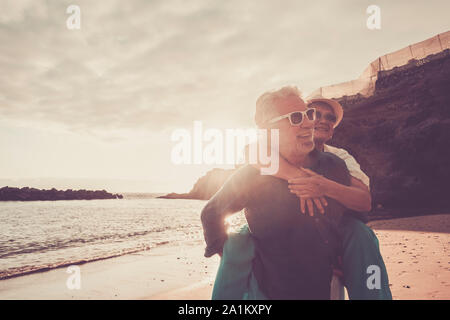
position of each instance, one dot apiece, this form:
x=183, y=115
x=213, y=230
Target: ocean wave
x=36, y=237
x=25, y=270
x=32, y=247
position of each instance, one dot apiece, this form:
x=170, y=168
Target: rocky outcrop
x=32, y=194
x=205, y=187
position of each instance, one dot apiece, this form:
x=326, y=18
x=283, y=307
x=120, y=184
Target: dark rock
x=205, y=187
x=400, y=136
x=32, y=194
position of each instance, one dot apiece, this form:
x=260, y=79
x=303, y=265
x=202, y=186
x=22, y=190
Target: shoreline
x=417, y=260
x=75, y=263
x=132, y=276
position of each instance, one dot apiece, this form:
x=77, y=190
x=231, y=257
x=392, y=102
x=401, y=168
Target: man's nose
x=307, y=123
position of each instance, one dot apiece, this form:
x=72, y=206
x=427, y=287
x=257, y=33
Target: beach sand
x=415, y=250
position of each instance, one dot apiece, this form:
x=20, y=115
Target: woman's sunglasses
x=296, y=117
x=327, y=116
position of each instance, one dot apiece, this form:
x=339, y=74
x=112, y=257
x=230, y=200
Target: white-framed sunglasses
x=296, y=117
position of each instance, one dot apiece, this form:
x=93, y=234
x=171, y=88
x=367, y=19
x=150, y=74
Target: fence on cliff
x=365, y=84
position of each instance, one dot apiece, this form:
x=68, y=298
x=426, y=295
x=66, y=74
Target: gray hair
x=265, y=103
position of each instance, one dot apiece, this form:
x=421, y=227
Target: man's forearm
x=229, y=199
x=213, y=229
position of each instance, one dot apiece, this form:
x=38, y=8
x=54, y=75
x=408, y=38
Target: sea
x=42, y=235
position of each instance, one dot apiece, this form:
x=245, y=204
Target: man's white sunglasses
x=296, y=117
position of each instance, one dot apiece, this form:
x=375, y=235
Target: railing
x=365, y=84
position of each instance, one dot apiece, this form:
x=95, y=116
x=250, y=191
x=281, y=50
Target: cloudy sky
x=96, y=107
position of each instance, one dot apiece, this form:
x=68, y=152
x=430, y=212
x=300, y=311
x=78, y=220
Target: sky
x=95, y=107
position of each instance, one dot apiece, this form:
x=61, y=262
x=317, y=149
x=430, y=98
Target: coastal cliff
x=205, y=187
x=400, y=135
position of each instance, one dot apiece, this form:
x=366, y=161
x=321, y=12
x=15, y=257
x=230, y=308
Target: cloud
x=156, y=65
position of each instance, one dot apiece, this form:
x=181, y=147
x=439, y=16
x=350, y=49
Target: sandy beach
x=415, y=250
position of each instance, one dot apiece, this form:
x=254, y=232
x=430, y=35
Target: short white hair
x=266, y=102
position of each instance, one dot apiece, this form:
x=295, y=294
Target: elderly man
x=293, y=253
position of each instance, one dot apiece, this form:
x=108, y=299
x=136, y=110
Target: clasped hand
x=310, y=188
